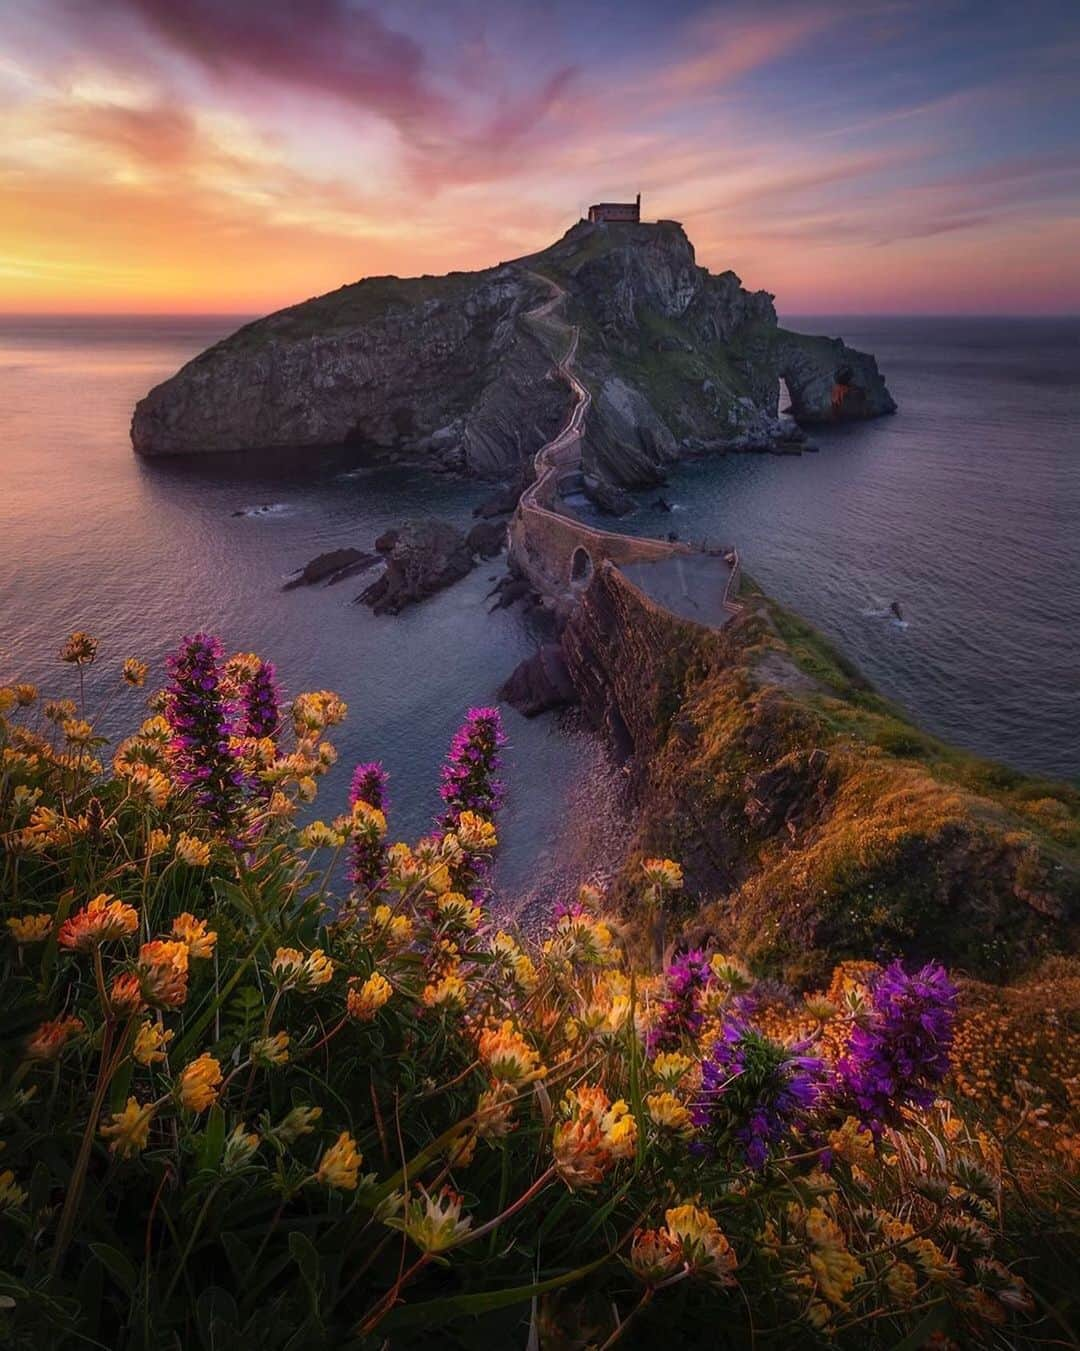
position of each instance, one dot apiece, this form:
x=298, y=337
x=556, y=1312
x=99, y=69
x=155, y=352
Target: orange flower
x=126, y=995
x=163, y=972
x=194, y=933
x=30, y=928
x=594, y=1134
x=49, y=1039
x=103, y=919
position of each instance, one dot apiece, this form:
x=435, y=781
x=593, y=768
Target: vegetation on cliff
x=238, y=1106
x=814, y=820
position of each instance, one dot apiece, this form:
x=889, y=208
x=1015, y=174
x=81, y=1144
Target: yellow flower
x=433, y=1223
x=306, y=788
x=56, y=710
x=835, y=1269
x=129, y=1130
x=661, y=876
x=135, y=672
x=11, y=1195
x=198, y=1083
x=368, y=820
x=293, y=969
x=670, y=1066
x=25, y=694
x=853, y=1143
x=199, y=939
x=495, y=1111
x=148, y=782
x=365, y=1001
x=508, y=1056
x=902, y=1282
x=269, y=1051
x=157, y=842
x=30, y=928
x=395, y=930
x=151, y=1042
x=340, y=1164
x=666, y=1111
x=475, y=833
x=318, y=835
x=455, y=909
x=702, y=1244
x=192, y=851
x=446, y=993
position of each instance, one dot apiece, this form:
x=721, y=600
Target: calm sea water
x=964, y=507
x=140, y=552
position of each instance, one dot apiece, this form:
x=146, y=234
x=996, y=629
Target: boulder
x=427, y=556
x=606, y=497
x=487, y=538
x=539, y=683
x=331, y=567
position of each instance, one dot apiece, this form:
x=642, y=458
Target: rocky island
x=454, y=371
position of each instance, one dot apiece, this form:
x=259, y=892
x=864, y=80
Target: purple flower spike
x=680, y=1015
x=260, y=703
x=901, y=1054
x=468, y=777
x=368, y=853
x=201, y=722
x=755, y=1091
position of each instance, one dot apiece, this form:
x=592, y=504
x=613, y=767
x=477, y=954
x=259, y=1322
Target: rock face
x=809, y=836
x=427, y=555
x=456, y=370
x=540, y=683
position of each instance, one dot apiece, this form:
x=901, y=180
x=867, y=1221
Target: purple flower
x=901, y=1053
x=754, y=1091
x=468, y=784
x=468, y=777
x=259, y=703
x=201, y=722
x=680, y=1015
x=368, y=856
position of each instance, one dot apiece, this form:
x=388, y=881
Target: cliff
x=456, y=369
x=814, y=822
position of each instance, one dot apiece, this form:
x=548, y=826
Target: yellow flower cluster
x=592, y=1135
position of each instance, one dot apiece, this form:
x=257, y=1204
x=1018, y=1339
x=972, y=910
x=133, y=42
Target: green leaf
x=217, y=1318
x=436, y=1311
x=119, y=1267
x=307, y=1259
x=212, y=1143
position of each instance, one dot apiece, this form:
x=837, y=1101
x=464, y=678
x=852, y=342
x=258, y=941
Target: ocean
x=964, y=508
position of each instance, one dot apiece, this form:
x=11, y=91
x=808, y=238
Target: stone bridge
x=558, y=553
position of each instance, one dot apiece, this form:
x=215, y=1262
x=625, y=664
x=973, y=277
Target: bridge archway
x=581, y=567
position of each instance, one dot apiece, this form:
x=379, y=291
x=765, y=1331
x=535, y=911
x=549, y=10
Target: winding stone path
x=558, y=553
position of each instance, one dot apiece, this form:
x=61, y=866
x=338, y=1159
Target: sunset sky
x=238, y=155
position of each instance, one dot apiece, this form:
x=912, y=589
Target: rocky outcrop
x=332, y=567
x=487, y=538
x=763, y=762
x=455, y=371
x=427, y=555
x=540, y=683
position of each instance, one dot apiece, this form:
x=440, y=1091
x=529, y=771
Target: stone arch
x=581, y=566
